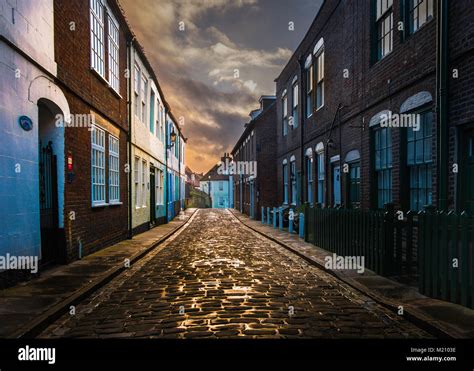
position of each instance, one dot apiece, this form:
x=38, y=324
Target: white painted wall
x=29, y=26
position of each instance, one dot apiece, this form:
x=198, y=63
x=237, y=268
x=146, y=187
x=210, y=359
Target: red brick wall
x=85, y=91
x=370, y=88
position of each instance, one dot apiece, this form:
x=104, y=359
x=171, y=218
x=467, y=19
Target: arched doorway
x=51, y=181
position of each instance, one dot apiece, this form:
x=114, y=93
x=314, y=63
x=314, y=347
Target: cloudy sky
x=215, y=58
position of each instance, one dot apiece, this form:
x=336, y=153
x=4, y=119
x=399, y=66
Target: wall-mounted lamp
x=172, y=140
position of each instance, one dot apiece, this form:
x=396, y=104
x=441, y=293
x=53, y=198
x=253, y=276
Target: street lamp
x=172, y=140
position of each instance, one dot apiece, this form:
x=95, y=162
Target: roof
x=250, y=126
x=214, y=175
x=141, y=51
x=297, y=51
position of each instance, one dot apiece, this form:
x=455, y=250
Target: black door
x=467, y=172
x=152, y=195
x=48, y=192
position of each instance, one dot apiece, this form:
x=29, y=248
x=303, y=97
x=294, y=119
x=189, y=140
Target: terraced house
x=91, y=54
x=148, y=144
x=176, y=169
x=255, y=152
x=347, y=96
x=32, y=214
x=89, y=139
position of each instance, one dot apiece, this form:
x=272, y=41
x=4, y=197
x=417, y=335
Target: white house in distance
x=148, y=138
x=219, y=185
x=32, y=145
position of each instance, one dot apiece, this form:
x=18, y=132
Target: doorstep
x=441, y=318
x=28, y=307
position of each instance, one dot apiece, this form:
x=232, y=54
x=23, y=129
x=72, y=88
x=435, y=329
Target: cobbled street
x=218, y=279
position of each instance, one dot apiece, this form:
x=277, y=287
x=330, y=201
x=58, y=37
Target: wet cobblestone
x=218, y=279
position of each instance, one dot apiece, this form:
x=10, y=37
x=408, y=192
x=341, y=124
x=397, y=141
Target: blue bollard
x=274, y=217
x=269, y=216
x=301, y=226
x=263, y=215
x=280, y=218
x=290, y=222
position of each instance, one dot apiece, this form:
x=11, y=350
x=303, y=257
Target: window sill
x=320, y=108
x=115, y=92
x=115, y=203
x=99, y=205
x=99, y=76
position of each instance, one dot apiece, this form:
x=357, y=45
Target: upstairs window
x=419, y=12
x=137, y=79
x=152, y=112
x=309, y=91
x=113, y=29
x=144, y=86
x=105, y=41
x=320, y=80
x=384, y=25
x=284, y=103
x=97, y=36
x=294, y=114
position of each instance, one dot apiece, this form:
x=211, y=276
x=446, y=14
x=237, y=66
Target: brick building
x=257, y=147
x=362, y=66
x=91, y=54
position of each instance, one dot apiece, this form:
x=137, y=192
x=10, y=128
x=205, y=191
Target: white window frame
x=284, y=102
x=385, y=26
x=309, y=91
x=295, y=99
x=144, y=95
x=114, y=169
x=98, y=189
x=137, y=83
x=136, y=176
x=144, y=179
x=97, y=29
x=320, y=79
x=114, y=52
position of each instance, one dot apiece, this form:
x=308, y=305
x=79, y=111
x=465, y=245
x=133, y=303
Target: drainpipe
x=166, y=165
x=303, y=191
x=129, y=139
x=442, y=102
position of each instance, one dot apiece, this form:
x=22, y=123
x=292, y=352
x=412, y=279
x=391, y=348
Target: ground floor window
x=294, y=189
x=309, y=177
x=98, y=166
x=321, y=176
x=354, y=184
x=383, y=165
x=419, y=161
x=285, y=183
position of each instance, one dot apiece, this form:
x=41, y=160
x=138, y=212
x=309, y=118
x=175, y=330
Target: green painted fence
x=446, y=256
x=432, y=249
x=354, y=232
